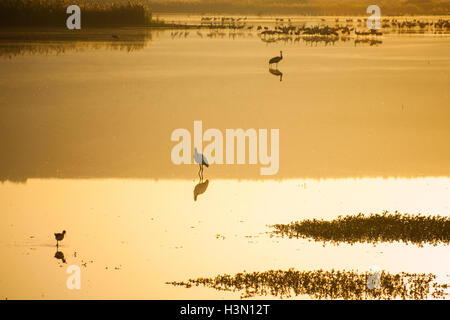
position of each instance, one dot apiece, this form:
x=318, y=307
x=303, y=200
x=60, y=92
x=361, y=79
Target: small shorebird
x=59, y=236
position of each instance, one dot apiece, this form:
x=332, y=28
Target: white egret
x=202, y=161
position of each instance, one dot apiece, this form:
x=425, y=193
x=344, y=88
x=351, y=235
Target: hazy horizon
x=302, y=7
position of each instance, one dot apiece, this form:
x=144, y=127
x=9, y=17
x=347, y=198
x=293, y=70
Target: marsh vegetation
x=321, y=284
x=373, y=228
x=53, y=13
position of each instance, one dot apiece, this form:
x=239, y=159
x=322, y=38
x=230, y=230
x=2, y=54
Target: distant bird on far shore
x=59, y=236
x=276, y=59
x=115, y=36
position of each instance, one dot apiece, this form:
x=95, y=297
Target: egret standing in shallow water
x=201, y=160
x=59, y=237
x=276, y=59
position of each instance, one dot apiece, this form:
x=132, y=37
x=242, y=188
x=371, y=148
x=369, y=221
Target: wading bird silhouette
x=59, y=237
x=276, y=59
x=202, y=161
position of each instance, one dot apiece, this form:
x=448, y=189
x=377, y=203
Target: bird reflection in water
x=200, y=188
x=201, y=185
x=277, y=73
x=60, y=256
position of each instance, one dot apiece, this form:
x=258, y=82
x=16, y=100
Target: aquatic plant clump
x=385, y=227
x=320, y=284
x=53, y=13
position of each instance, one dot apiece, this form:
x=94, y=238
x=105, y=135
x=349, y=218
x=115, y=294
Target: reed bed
x=320, y=284
x=52, y=13
x=374, y=228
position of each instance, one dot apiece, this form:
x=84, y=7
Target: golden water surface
x=85, y=144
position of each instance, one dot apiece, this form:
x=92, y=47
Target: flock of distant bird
x=241, y=23
x=286, y=25
x=286, y=30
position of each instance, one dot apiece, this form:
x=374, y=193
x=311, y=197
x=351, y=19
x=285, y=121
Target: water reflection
x=200, y=188
x=163, y=237
x=55, y=41
x=327, y=32
x=370, y=42
x=385, y=227
x=277, y=73
x=315, y=40
x=60, y=256
x=326, y=130
x=320, y=284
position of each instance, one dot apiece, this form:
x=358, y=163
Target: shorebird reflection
x=277, y=73
x=60, y=256
x=200, y=188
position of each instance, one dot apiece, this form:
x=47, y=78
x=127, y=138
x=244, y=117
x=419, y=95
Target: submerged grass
x=321, y=284
x=385, y=227
x=52, y=13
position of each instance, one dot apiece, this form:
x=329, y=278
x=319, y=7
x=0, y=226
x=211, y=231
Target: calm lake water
x=85, y=127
